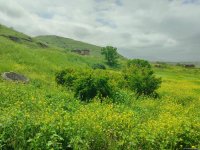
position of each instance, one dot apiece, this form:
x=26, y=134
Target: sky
x=159, y=30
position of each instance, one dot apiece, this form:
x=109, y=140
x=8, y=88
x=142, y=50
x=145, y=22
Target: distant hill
x=69, y=44
x=45, y=41
x=20, y=38
x=44, y=54
x=39, y=60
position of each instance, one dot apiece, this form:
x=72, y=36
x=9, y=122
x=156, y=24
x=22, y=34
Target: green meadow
x=44, y=115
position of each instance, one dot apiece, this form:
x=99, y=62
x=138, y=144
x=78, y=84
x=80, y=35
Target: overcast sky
x=167, y=30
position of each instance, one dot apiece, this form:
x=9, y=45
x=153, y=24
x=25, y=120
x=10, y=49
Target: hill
x=22, y=53
x=69, y=44
x=20, y=38
x=51, y=41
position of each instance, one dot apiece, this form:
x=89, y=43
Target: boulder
x=42, y=45
x=14, y=38
x=12, y=76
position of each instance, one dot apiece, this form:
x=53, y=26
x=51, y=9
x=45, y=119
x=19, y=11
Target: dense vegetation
x=138, y=76
x=45, y=115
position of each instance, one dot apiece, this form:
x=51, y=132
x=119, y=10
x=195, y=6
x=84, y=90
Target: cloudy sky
x=167, y=30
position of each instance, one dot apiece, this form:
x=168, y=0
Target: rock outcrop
x=12, y=76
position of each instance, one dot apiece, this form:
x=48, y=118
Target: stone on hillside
x=14, y=38
x=12, y=76
x=42, y=45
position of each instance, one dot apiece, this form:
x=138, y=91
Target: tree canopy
x=110, y=54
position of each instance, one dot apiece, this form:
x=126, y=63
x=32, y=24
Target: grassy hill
x=56, y=42
x=43, y=115
x=20, y=38
x=69, y=44
x=33, y=58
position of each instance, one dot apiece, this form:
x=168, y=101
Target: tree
x=110, y=54
x=141, y=78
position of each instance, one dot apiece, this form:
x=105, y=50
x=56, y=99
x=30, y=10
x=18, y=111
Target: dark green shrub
x=89, y=87
x=139, y=63
x=140, y=78
x=66, y=77
x=86, y=84
x=98, y=66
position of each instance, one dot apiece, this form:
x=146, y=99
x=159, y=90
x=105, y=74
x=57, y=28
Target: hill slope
x=69, y=44
x=24, y=54
x=52, y=41
x=20, y=38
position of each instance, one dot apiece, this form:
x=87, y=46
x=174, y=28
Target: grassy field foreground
x=42, y=115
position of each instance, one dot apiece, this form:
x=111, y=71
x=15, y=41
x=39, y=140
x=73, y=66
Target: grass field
x=43, y=115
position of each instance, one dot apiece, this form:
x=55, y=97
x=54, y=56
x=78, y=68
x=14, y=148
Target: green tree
x=110, y=54
x=140, y=78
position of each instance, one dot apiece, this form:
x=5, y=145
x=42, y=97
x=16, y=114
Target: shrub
x=140, y=78
x=66, y=77
x=89, y=87
x=138, y=63
x=98, y=66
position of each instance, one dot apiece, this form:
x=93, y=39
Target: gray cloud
x=155, y=30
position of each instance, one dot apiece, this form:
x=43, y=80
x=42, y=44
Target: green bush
x=66, y=77
x=86, y=84
x=138, y=63
x=90, y=86
x=140, y=78
x=99, y=66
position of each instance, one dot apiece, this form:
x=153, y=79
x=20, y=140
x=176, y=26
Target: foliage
x=66, y=77
x=141, y=78
x=110, y=54
x=42, y=122
x=98, y=66
x=86, y=84
x=90, y=86
x=139, y=63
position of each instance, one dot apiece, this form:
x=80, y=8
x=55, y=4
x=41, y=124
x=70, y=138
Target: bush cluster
x=88, y=84
x=85, y=84
x=89, y=87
